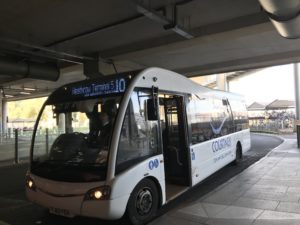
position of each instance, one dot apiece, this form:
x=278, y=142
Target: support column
x=4, y=116
x=222, y=82
x=61, y=123
x=297, y=92
x=1, y=117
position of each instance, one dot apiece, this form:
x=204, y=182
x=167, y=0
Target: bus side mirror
x=224, y=101
x=152, y=109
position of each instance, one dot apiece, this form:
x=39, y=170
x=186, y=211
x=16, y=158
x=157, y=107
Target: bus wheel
x=143, y=202
x=238, y=154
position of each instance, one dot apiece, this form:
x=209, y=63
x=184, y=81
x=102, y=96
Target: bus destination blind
x=98, y=89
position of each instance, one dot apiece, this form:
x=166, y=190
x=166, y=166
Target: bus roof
x=172, y=81
x=118, y=83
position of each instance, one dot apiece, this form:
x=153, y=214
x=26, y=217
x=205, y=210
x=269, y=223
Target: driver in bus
x=103, y=137
x=100, y=130
x=105, y=130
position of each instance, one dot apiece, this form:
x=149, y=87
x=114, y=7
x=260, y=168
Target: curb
x=252, y=165
x=271, y=151
x=270, y=135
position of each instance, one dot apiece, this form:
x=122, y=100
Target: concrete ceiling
x=204, y=37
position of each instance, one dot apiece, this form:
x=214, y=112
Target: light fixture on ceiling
x=168, y=24
x=24, y=93
x=29, y=89
x=182, y=32
x=9, y=96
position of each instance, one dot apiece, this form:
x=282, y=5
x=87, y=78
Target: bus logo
x=193, y=154
x=220, y=144
x=153, y=164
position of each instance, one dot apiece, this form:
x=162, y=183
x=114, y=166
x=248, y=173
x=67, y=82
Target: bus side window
x=199, y=113
x=139, y=136
x=240, y=115
x=221, y=119
x=209, y=117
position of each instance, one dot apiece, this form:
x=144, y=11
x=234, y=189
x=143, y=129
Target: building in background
x=277, y=116
x=257, y=113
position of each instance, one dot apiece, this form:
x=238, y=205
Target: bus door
x=174, y=137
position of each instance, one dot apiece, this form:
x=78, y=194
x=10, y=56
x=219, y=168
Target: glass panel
x=221, y=120
x=209, y=118
x=46, y=133
x=199, y=110
x=139, y=137
x=74, y=134
x=240, y=115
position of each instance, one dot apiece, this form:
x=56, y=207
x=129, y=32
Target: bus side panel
x=210, y=156
x=124, y=183
x=243, y=137
x=246, y=140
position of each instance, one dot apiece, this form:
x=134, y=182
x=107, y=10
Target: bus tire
x=143, y=202
x=238, y=154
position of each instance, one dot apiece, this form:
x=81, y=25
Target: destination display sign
x=97, y=89
x=104, y=86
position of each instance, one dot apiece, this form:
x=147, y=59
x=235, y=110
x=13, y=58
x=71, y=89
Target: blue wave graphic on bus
x=218, y=130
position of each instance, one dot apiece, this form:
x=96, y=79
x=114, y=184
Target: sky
x=266, y=85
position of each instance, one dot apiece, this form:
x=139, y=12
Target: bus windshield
x=72, y=139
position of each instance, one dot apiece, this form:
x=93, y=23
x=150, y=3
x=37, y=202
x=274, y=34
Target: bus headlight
x=99, y=193
x=30, y=183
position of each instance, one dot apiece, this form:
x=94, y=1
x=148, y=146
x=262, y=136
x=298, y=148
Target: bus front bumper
x=105, y=209
x=77, y=206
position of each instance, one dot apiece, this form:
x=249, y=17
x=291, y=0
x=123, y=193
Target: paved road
x=15, y=210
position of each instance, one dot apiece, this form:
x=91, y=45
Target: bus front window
x=72, y=140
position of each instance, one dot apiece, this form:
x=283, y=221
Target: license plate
x=61, y=212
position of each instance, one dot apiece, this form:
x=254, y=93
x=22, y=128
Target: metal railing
x=272, y=126
x=15, y=144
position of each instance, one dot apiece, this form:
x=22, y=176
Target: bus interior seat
x=67, y=146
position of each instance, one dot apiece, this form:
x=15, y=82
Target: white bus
x=128, y=144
